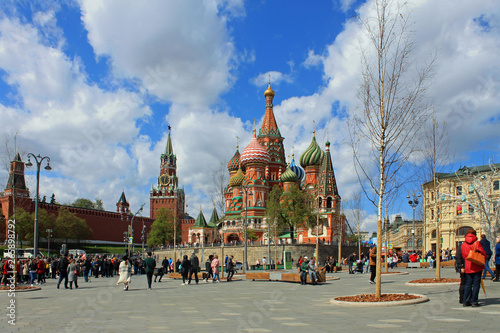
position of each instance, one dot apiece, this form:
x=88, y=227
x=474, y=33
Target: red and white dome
x=254, y=153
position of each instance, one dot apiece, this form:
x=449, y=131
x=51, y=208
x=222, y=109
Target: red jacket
x=466, y=247
x=40, y=267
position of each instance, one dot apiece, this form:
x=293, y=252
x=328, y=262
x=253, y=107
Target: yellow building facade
x=457, y=201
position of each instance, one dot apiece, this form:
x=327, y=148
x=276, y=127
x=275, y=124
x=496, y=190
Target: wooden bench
x=284, y=277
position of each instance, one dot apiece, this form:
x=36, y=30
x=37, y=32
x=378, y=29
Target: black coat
x=195, y=262
x=486, y=246
x=186, y=266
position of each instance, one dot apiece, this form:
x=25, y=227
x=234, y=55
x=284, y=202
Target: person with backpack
x=149, y=266
x=208, y=268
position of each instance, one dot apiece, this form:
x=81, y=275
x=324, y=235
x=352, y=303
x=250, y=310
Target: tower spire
x=169, y=151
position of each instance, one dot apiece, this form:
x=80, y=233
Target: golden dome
x=269, y=91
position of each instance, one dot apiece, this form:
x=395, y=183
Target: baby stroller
x=359, y=266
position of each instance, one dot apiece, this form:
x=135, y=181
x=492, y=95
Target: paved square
x=246, y=306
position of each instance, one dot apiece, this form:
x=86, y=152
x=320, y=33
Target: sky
x=94, y=85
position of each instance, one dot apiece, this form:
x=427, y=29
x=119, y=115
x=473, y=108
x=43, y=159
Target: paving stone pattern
x=246, y=306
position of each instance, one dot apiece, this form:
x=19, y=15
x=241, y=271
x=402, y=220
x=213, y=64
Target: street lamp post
x=38, y=159
x=131, y=239
x=245, y=223
x=49, y=235
x=413, y=203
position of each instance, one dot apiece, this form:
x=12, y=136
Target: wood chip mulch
x=373, y=298
x=17, y=287
x=435, y=281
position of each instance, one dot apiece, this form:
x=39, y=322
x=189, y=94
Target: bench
x=413, y=265
x=284, y=277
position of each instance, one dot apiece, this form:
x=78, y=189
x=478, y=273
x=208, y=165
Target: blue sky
x=94, y=85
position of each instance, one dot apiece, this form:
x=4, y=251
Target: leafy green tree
x=251, y=235
x=98, y=204
x=88, y=204
x=274, y=212
x=24, y=225
x=69, y=226
x=162, y=230
x=296, y=209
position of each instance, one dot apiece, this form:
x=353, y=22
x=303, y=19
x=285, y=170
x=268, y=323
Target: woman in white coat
x=125, y=271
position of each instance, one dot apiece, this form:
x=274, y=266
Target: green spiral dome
x=312, y=156
x=289, y=176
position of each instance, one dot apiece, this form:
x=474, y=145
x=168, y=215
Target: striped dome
x=254, y=153
x=289, y=176
x=234, y=163
x=237, y=179
x=313, y=154
x=297, y=169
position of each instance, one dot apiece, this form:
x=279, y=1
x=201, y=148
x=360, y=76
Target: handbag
x=476, y=258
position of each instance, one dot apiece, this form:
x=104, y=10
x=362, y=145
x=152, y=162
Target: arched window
x=433, y=234
x=462, y=231
x=320, y=202
x=329, y=202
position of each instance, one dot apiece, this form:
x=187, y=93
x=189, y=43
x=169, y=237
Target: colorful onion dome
x=289, y=176
x=254, y=153
x=313, y=154
x=269, y=92
x=297, y=169
x=234, y=163
x=237, y=179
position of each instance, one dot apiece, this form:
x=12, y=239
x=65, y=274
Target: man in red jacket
x=472, y=271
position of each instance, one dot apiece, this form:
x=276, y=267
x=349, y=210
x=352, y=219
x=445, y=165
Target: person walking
x=497, y=260
x=40, y=270
x=195, y=265
x=32, y=269
x=487, y=249
x=208, y=268
x=125, y=272
x=215, y=268
x=149, y=266
x=63, y=272
x=73, y=272
x=373, y=263
x=185, y=267
x=164, y=265
x=230, y=268
x=472, y=271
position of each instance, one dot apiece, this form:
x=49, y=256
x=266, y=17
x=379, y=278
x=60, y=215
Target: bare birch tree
x=392, y=96
x=436, y=154
x=220, y=179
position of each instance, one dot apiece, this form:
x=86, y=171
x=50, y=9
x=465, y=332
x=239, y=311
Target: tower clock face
x=164, y=179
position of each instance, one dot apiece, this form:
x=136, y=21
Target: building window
x=496, y=185
x=432, y=214
x=471, y=209
x=433, y=234
x=471, y=189
x=329, y=202
x=320, y=202
x=462, y=231
x=432, y=196
x=459, y=190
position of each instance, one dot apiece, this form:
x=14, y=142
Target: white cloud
x=179, y=51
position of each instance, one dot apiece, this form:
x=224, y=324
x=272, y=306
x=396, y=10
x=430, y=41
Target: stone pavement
x=246, y=306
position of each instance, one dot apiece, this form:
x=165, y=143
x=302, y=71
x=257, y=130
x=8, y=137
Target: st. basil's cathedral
x=253, y=174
